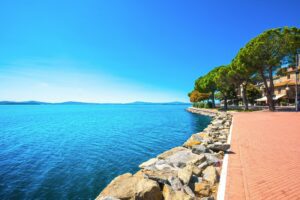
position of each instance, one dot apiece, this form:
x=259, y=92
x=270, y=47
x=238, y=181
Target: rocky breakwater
x=203, y=111
x=187, y=172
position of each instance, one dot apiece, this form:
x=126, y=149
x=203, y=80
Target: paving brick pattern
x=265, y=163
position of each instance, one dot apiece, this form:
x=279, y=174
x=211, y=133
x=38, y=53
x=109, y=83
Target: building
x=284, y=88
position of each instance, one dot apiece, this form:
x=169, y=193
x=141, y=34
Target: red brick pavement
x=266, y=159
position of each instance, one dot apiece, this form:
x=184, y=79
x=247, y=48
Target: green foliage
x=223, y=80
x=202, y=104
x=269, y=48
x=196, y=96
x=266, y=51
x=208, y=105
x=255, y=62
x=219, y=96
x=207, y=84
x=199, y=104
x=281, y=72
x=252, y=93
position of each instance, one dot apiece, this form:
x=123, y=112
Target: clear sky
x=124, y=51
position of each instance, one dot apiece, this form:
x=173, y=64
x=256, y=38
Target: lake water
x=74, y=151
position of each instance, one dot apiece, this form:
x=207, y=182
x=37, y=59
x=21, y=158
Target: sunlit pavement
x=265, y=159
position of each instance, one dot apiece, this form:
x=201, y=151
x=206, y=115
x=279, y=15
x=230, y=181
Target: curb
x=223, y=179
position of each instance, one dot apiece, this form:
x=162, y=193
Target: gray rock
x=182, y=158
x=170, y=152
x=199, y=149
x=175, y=183
x=203, y=165
x=218, y=146
x=163, y=165
x=222, y=137
x=227, y=123
x=148, y=163
x=207, y=141
x=224, y=132
x=188, y=190
x=159, y=176
x=217, y=123
x=212, y=159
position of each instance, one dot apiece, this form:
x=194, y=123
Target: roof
x=292, y=69
x=285, y=83
x=274, y=98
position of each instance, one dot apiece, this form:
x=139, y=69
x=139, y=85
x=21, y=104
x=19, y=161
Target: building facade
x=284, y=88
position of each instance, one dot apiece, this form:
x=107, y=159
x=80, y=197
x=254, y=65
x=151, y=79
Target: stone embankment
x=203, y=111
x=186, y=172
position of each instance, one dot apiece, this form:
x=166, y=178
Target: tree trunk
x=244, y=96
x=213, y=99
x=269, y=93
x=225, y=103
x=271, y=90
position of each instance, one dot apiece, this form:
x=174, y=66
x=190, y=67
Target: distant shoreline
x=87, y=103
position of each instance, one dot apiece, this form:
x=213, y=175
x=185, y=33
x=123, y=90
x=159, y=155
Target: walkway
x=265, y=163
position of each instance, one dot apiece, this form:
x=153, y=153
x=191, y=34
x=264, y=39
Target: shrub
x=202, y=104
x=208, y=105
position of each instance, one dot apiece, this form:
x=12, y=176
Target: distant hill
x=163, y=103
x=80, y=103
x=22, y=103
x=74, y=103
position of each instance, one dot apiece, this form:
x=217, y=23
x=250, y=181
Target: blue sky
x=124, y=51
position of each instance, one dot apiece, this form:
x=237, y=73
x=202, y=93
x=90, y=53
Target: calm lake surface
x=74, y=151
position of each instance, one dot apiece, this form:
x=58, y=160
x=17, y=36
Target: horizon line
x=83, y=102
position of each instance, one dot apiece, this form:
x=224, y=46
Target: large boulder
x=202, y=189
x=218, y=123
x=195, y=139
x=156, y=164
x=175, y=183
x=185, y=174
x=164, y=166
x=148, y=190
x=130, y=187
x=160, y=176
x=218, y=146
x=182, y=158
x=170, y=194
x=212, y=159
x=148, y=163
x=170, y=152
x=210, y=174
x=199, y=149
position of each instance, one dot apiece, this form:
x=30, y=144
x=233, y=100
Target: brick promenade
x=266, y=159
